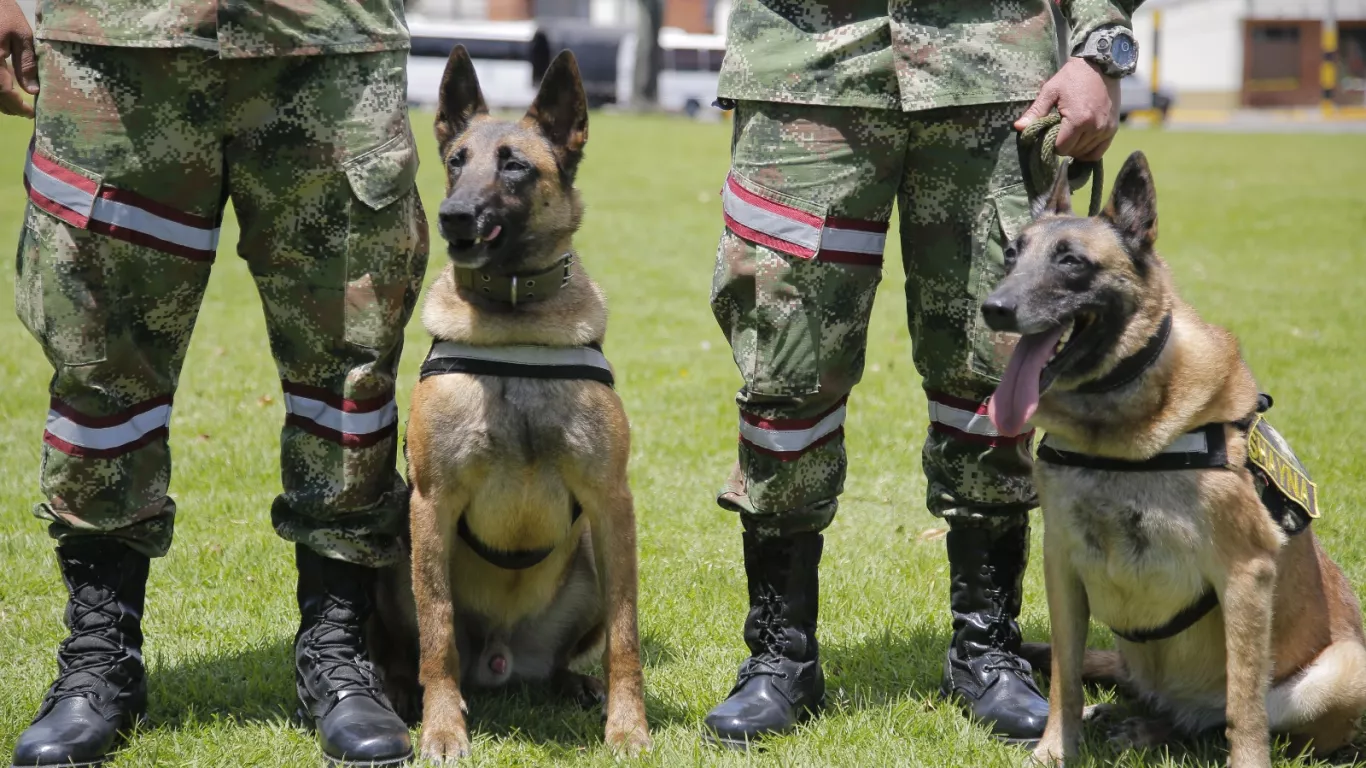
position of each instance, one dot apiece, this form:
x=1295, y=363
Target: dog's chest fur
x=1137, y=541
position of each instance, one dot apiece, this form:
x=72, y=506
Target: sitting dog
x=523, y=548
x=1173, y=512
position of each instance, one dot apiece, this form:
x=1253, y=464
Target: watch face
x=1123, y=51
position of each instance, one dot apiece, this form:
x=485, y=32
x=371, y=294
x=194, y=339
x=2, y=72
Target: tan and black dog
x=1225, y=607
x=522, y=531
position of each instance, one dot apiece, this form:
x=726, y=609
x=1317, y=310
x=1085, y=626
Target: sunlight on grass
x=1265, y=235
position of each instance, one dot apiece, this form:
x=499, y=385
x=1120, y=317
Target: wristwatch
x=1113, y=50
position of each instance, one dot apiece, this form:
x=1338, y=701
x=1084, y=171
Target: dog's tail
x=1104, y=668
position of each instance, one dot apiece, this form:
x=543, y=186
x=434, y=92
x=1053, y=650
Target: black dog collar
x=517, y=289
x=1133, y=366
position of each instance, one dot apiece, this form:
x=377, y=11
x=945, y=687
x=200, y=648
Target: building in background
x=695, y=16
x=1224, y=54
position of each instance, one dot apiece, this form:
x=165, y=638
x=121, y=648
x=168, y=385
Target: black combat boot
x=341, y=694
x=984, y=670
x=781, y=683
x=101, y=687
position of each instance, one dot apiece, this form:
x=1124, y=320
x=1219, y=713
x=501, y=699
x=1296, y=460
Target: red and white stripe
x=103, y=437
x=967, y=420
x=352, y=423
x=799, y=233
x=118, y=213
x=788, y=439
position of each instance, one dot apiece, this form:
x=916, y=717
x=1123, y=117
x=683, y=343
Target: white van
x=688, y=73
x=501, y=51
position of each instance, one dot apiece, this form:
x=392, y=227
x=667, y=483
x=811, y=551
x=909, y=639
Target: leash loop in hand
x=1038, y=146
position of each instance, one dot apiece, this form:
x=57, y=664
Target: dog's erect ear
x=1133, y=206
x=1058, y=201
x=461, y=98
x=561, y=110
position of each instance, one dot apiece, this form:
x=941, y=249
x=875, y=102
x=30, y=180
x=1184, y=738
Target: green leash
x=1040, y=161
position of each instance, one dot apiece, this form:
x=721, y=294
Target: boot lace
x=770, y=628
x=94, y=651
x=336, y=646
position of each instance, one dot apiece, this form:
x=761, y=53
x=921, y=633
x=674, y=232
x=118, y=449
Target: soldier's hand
x=1089, y=104
x=16, y=44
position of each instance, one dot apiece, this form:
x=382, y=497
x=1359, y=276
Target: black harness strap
x=531, y=363
x=515, y=560
x=1179, y=623
x=1214, y=457
x=1133, y=366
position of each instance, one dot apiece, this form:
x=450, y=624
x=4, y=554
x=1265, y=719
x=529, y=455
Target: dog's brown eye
x=1070, y=260
x=457, y=159
x=516, y=166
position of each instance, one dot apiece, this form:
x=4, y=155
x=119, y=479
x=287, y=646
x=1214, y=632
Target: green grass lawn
x=1266, y=234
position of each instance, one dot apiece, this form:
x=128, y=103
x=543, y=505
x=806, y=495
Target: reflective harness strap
x=517, y=361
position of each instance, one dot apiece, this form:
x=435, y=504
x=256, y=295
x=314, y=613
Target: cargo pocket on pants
x=1006, y=214
x=386, y=246
x=61, y=267
x=764, y=266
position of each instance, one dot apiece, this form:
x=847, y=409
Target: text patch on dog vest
x=1285, y=481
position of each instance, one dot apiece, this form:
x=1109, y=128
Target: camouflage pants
x=807, y=205
x=135, y=153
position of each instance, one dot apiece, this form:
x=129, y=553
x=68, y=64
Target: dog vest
x=1281, y=480
x=521, y=361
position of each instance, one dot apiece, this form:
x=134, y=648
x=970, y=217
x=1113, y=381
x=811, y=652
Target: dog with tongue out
x=1154, y=524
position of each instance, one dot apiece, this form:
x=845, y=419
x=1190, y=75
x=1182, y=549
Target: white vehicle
x=500, y=50
x=687, y=75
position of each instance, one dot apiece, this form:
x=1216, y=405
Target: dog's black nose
x=999, y=313
x=457, y=218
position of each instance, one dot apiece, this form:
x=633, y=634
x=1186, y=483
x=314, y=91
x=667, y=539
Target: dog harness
x=518, y=361
x=1281, y=480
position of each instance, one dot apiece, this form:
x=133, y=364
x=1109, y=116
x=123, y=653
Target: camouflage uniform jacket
x=902, y=54
x=229, y=28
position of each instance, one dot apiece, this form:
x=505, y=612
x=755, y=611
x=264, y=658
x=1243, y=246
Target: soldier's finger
x=1086, y=143
x=27, y=61
x=11, y=103
x=1098, y=151
x=1047, y=98
x=1068, y=134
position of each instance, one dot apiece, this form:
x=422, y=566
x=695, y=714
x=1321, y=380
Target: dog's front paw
x=441, y=745
x=630, y=742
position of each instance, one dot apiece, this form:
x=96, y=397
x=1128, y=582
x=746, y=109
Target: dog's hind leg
x=444, y=735
x=1319, y=707
x=1068, y=613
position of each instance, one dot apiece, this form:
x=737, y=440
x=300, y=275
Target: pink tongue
x=1017, y=397
x=498, y=664
x=496, y=229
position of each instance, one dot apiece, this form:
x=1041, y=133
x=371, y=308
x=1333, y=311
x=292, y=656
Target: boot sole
x=369, y=763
